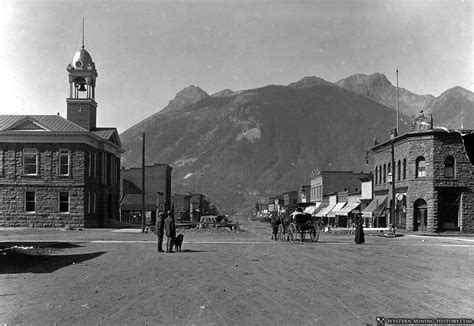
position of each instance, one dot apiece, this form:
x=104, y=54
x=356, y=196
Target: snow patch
x=183, y=162
x=251, y=135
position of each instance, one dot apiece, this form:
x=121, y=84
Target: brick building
x=56, y=171
x=433, y=179
x=157, y=192
x=325, y=182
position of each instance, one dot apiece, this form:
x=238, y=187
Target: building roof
x=37, y=123
x=52, y=124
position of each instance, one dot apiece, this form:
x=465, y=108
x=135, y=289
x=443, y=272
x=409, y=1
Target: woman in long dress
x=359, y=233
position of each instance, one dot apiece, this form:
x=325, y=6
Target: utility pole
x=398, y=109
x=143, y=185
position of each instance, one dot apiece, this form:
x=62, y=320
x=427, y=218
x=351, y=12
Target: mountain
x=186, y=97
x=259, y=142
x=225, y=93
x=454, y=109
x=308, y=82
x=378, y=88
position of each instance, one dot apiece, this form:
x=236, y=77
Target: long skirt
x=359, y=234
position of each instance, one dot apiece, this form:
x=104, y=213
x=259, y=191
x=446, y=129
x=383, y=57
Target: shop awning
x=325, y=210
x=313, y=208
x=336, y=208
x=348, y=208
x=376, y=205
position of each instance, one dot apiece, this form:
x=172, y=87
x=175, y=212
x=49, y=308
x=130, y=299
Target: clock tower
x=81, y=104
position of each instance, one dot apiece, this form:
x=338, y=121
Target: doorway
x=420, y=216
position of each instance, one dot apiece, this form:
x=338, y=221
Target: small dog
x=178, y=242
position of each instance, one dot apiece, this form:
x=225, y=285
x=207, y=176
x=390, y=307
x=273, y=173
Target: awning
x=325, y=210
x=376, y=205
x=313, y=208
x=348, y=208
x=336, y=208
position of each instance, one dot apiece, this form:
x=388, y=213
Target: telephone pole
x=143, y=185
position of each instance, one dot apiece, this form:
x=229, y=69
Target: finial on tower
x=83, y=32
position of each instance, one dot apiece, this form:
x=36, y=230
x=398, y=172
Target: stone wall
x=48, y=183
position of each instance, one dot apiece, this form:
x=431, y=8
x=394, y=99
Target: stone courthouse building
x=56, y=171
x=433, y=177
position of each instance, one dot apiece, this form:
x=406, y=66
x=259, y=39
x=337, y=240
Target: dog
x=178, y=242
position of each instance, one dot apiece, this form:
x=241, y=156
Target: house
x=57, y=171
x=432, y=177
x=157, y=192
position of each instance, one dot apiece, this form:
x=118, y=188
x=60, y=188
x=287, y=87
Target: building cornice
x=54, y=137
x=418, y=133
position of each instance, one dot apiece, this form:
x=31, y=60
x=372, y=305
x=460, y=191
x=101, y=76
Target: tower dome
x=82, y=60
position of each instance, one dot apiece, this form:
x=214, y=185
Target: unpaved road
x=236, y=279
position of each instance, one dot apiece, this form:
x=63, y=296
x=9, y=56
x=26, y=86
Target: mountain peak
x=225, y=93
x=310, y=81
x=375, y=79
x=187, y=96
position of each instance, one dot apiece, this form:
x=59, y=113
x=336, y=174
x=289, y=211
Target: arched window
x=404, y=168
x=420, y=167
x=384, y=173
x=449, y=167
x=399, y=167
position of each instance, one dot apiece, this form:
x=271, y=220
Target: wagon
x=301, y=224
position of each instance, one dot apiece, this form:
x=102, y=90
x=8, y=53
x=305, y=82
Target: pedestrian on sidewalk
x=170, y=231
x=160, y=230
x=359, y=233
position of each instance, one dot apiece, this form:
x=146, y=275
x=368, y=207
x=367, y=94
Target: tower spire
x=83, y=32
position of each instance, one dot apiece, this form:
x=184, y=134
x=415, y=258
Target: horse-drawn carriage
x=298, y=224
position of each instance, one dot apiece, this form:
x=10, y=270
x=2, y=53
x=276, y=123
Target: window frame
x=452, y=167
x=420, y=173
x=61, y=202
x=60, y=164
x=26, y=201
x=25, y=153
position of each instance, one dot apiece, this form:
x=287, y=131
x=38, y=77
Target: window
x=90, y=164
x=404, y=168
x=449, y=167
x=64, y=202
x=63, y=162
x=420, y=167
x=30, y=161
x=30, y=201
x=399, y=170
x=384, y=173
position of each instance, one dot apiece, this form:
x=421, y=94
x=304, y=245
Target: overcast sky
x=147, y=51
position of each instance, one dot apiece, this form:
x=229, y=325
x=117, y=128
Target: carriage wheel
x=291, y=232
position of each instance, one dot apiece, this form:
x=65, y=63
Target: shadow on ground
x=30, y=257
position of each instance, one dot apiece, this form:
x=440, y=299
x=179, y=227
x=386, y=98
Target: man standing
x=160, y=230
x=170, y=230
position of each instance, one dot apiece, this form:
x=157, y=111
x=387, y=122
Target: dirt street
x=115, y=278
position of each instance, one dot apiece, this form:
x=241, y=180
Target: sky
x=147, y=51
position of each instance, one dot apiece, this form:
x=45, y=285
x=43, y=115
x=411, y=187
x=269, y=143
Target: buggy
x=298, y=224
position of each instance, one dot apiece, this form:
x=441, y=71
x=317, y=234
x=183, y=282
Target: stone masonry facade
x=435, y=187
x=84, y=187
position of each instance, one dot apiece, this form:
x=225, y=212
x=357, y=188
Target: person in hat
x=170, y=231
x=359, y=233
x=160, y=230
